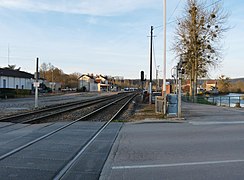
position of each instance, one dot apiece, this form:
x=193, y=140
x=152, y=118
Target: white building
x=15, y=79
x=94, y=83
x=103, y=84
x=88, y=82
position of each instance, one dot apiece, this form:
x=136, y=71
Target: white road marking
x=216, y=122
x=177, y=164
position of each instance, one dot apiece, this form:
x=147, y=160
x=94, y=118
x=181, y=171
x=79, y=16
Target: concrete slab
x=82, y=176
x=31, y=163
x=44, y=154
x=10, y=173
x=53, y=147
x=12, y=128
x=5, y=124
x=90, y=163
x=51, y=154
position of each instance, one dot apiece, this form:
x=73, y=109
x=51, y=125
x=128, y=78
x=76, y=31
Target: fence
x=229, y=101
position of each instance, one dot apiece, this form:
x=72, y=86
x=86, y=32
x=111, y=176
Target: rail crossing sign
x=36, y=84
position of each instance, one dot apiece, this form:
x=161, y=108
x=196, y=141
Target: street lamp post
x=150, y=83
x=36, y=84
x=179, y=72
x=164, y=55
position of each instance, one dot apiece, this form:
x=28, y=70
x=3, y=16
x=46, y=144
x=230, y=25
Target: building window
x=4, y=83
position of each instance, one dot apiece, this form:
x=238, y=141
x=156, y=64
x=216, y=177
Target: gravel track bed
x=76, y=114
x=19, y=105
x=108, y=113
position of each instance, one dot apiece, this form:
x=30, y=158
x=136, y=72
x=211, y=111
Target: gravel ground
x=18, y=105
x=138, y=110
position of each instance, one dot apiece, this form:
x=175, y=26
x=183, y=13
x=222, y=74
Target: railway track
x=41, y=115
x=65, y=167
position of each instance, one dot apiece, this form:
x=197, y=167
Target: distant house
x=54, y=86
x=88, y=82
x=103, y=84
x=15, y=79
x=210, y=85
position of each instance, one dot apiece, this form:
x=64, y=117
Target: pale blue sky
x=103, y=36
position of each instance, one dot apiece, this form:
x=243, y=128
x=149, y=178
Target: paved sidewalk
x=196, y=112
x=207, y=145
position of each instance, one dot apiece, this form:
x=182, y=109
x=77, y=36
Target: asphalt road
x=209, y=144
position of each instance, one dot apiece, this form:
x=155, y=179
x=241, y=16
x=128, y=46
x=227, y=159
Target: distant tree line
x=54, y=74
x=226, y=85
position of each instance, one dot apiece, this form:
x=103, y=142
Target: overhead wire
x=171, y=13
x=170, y=22
x=154, y=58
x=174, y=10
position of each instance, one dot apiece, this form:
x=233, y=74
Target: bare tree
x=53, y=74
x=13, y=67
x=197, y=39
x=224, y=84
x=43, y=70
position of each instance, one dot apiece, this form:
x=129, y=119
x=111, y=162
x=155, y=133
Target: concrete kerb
x=168, y=120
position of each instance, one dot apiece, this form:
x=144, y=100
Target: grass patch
x=119, y=121
x=146, y=112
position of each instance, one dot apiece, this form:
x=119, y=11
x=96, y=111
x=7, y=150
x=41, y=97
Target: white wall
x=90, y=86
x=11, y=82
x=93, y=87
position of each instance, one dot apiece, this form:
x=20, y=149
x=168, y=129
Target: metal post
x=36, y=85
x=150, y=84
x=157, y=80
x=52, y=82
x=179, y=95
x=229, y=101
x=150, y=92
x=164, y=69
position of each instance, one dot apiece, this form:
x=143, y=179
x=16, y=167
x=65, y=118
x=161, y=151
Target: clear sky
x=107, y=37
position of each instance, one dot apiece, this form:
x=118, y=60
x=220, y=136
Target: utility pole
x=36, y=84
x=150, y=84
x=157, y=77
x=157, y=80
x=142, y=80
x=8, y=55
x=179, y=94
x=164, y=69
x=179, y=72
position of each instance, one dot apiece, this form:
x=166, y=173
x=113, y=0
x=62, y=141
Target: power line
x=154, y=58
x=184, y=16
x=174, y=10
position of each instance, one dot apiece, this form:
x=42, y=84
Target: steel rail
x=55, y=131
x=69, y=104
x=71, y=163
x=77, y=106
x=65, y=110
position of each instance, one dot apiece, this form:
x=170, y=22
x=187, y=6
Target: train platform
x=207, y=145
